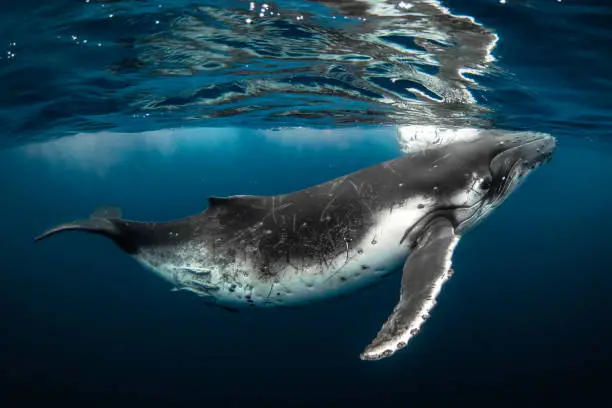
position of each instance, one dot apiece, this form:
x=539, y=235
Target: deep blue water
x=525, y=318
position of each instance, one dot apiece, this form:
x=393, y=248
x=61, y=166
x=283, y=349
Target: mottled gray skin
x=323, y=240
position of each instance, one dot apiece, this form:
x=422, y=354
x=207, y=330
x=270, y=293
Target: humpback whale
x=338, y=236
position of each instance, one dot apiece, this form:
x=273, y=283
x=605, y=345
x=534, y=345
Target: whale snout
x=540, y=150
x=531, y=148
x=545, y=144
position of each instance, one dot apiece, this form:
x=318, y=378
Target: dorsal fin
x=107, y=213
x=236, y=200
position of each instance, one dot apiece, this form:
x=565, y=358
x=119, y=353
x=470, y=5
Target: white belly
x=376, y=255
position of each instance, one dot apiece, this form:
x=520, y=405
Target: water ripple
x=129, y=65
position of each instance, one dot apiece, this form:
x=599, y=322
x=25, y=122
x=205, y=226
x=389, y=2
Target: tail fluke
x=99, y=226
x=106, y=222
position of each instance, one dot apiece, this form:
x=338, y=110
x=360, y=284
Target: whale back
x=312, y=223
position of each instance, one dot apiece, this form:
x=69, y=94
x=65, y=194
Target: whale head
x=493, y=166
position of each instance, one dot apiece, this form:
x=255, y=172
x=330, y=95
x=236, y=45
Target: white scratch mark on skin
x=368, y=207
x=273, y=209
x=283, y=206
x=270, y=292
x=327, y=207
x=338, y=182
x=439, y=159
x=354, y=185
x=340, y=269
x=390, y=167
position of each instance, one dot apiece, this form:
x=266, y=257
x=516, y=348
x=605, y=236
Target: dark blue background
x=525, y=317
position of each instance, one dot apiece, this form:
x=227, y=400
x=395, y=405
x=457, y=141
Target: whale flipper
x=425, y=271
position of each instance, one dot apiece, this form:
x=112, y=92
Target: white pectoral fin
x=425, y=271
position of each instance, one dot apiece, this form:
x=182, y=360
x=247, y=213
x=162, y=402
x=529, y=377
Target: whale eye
x=485, y=184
